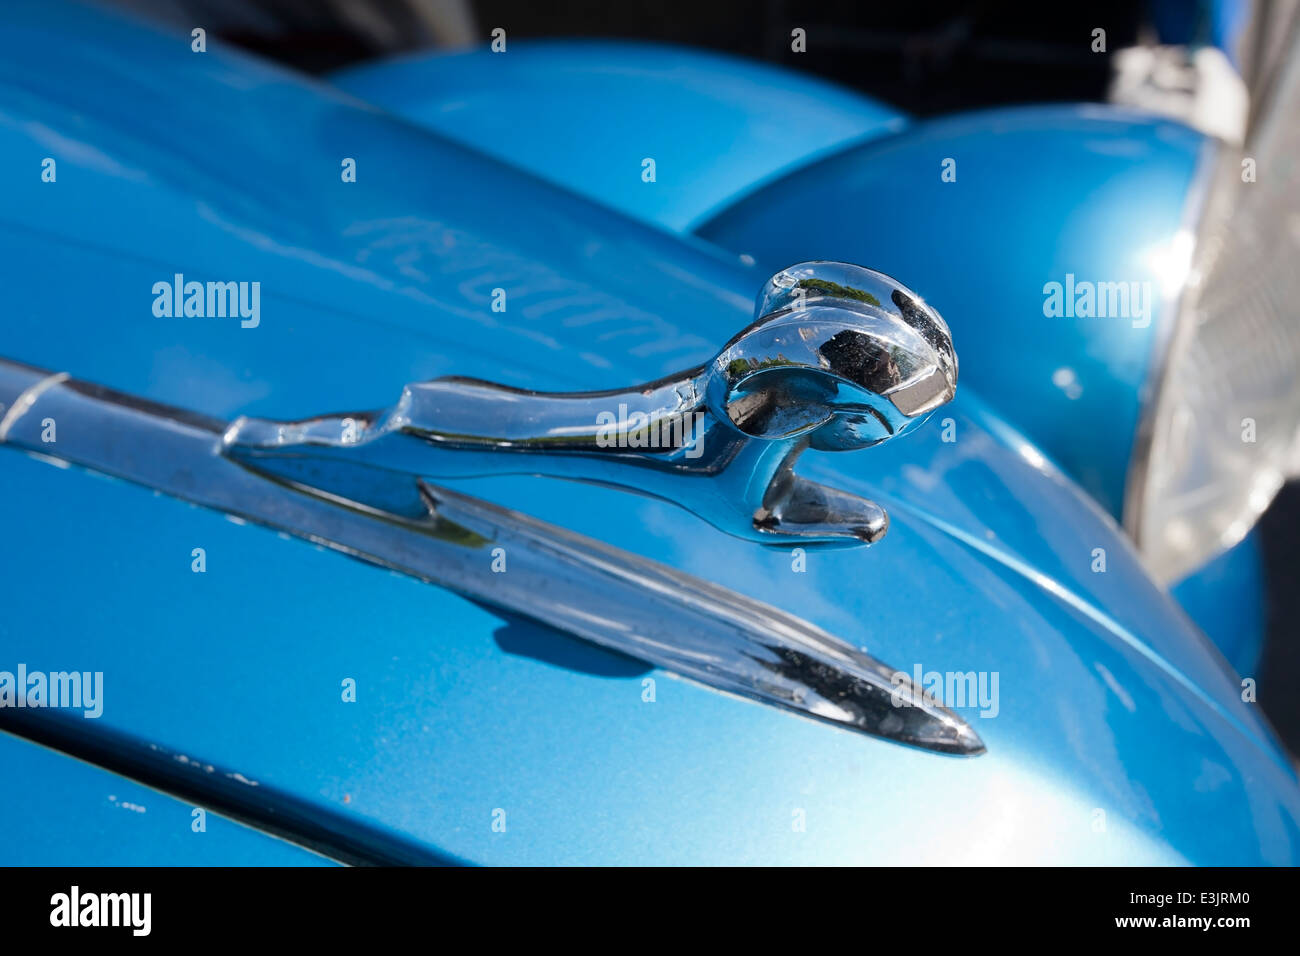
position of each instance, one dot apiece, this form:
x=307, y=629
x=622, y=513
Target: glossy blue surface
x=57, y=811
x=1109, y=699
x=585, y=116
x=1040, y=192
x=1227, y=600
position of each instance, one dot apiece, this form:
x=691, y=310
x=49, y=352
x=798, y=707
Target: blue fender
x=1227, y=600
x=586, y=116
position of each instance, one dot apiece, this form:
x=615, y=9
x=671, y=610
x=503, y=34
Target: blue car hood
x=1115, y=734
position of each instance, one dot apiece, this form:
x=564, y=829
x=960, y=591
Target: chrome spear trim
x=610, y=597
x=838, y=358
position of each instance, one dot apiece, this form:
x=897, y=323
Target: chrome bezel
x=1171, y=330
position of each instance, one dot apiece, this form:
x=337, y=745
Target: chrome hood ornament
x=838, y=358
x=622, y=601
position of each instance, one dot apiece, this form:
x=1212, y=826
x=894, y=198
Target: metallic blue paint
x=221, y=168
x=57, y=811
x=585, y=116
x=1227, y=599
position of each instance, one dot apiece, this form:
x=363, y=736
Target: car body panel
x=1109, y=699
x=585, y=115
x=1227, y=599
x=461, y=712
x=58, y=811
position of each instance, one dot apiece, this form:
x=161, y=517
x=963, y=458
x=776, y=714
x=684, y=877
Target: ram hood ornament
x=838, y=358
x=329, y=493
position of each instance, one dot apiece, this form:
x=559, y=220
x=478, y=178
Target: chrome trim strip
x=602, y=594
x=1172, y=310
x=26, y=400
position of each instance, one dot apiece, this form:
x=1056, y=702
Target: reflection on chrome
x=610, y=597
x=838, y=358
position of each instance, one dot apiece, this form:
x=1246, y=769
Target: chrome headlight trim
x=1170, y=328
x=1218, y=434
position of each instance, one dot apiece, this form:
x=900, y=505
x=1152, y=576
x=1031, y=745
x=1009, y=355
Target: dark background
x=926, y=57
